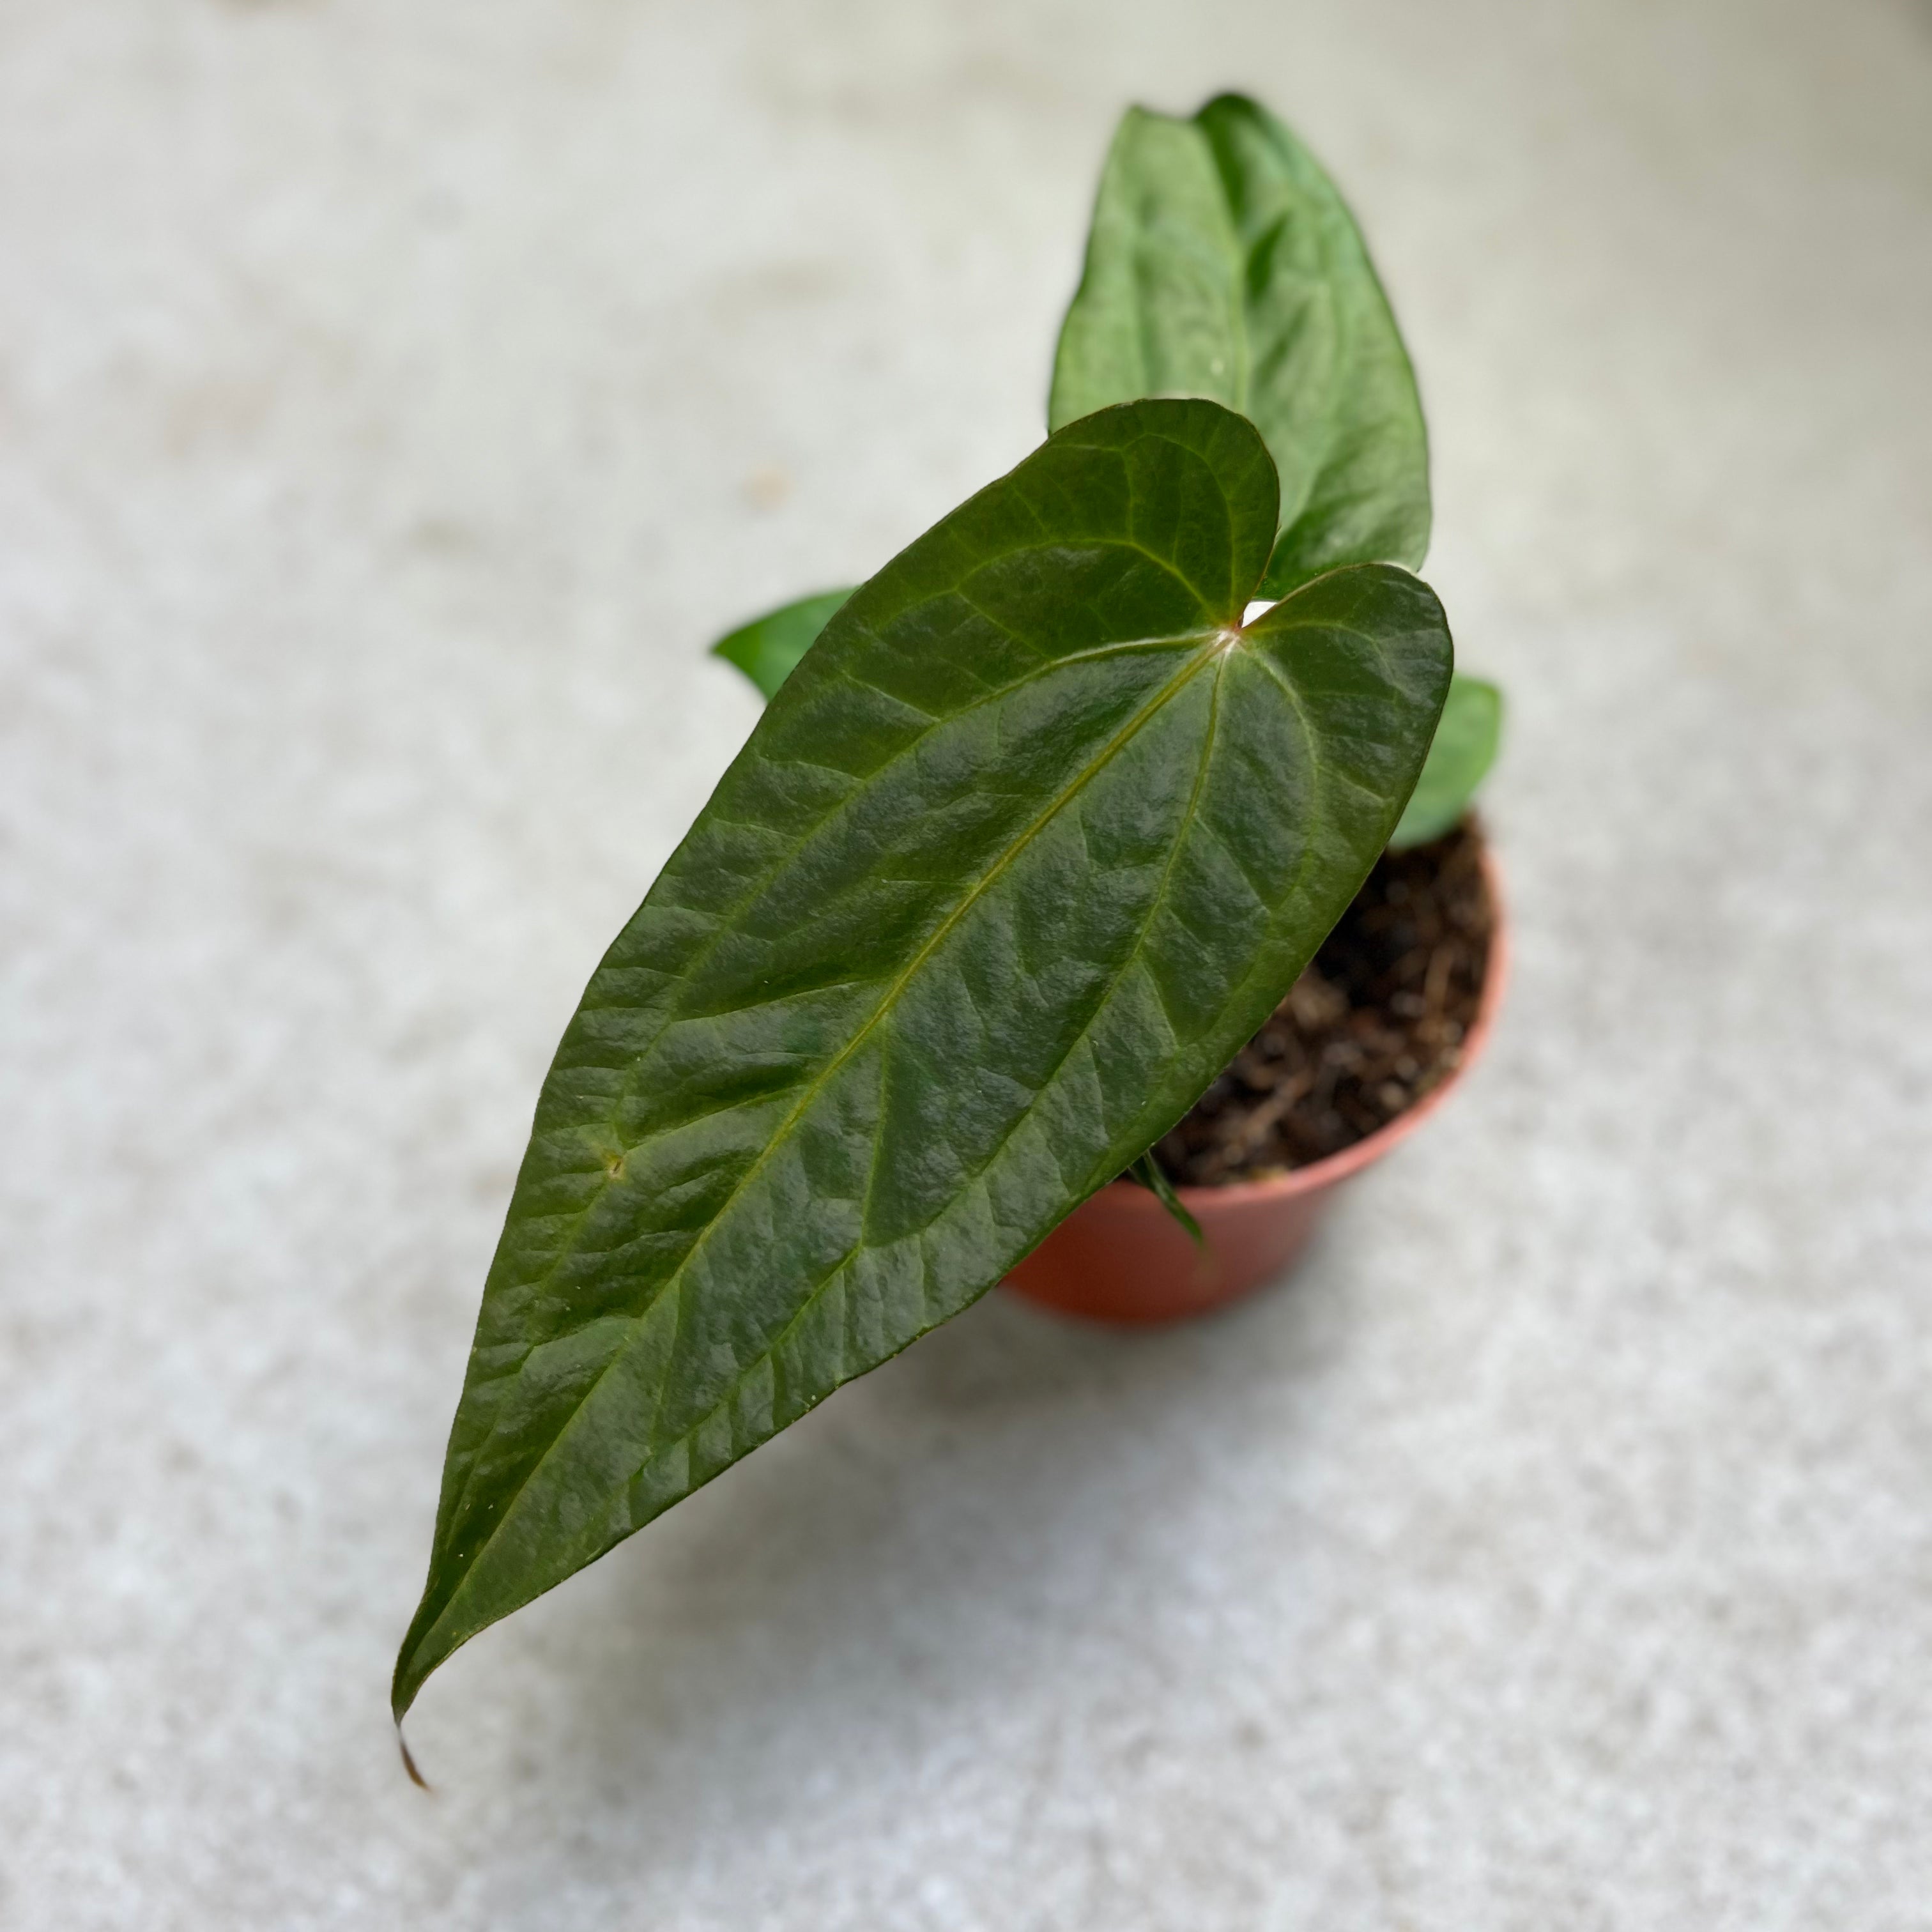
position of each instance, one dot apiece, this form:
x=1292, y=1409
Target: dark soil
x=1377, y=1021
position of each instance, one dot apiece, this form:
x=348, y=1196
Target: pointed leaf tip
x=410, y=1763
x=1223, y=263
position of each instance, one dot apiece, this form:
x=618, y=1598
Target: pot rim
x=1133, y=1197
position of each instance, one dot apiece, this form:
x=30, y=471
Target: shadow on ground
x=942, y=1536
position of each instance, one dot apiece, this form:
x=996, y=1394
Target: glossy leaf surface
x=1459, y=757
x=767, y=649
x=1222, y=263
x=1030, y=842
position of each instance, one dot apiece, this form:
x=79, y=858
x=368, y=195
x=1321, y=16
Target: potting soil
x=1378, y=1020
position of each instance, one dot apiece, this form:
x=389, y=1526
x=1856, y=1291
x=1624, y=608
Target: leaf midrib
x=1207, y=651
x=1188, y=820
x=580, y=1217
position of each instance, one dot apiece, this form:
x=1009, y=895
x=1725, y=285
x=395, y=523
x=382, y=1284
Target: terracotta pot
x=1121, y=1257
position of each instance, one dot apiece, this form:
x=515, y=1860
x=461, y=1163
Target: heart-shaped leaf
x=1459, y=757
x=767, y=649
x=1035, y=837
x=1222, y=263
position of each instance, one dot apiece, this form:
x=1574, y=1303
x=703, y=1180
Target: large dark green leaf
x=1459, y=757
x=767, y=649
x=1221, y=263
x=1032, y=839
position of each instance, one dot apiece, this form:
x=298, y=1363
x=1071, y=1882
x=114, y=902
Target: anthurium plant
x=1039, y=824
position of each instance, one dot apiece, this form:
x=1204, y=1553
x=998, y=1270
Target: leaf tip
x=410, y=1763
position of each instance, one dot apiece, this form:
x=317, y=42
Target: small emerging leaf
x=767, y=649
x=1148, y=1171
x=1034, y=837
x=1221, y=263
x=1459, y=756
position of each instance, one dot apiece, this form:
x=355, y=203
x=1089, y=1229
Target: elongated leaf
x=1034, y=838
x=767, y=649
x=1459, y=757
x=1222, y=263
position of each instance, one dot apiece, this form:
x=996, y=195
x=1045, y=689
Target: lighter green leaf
x=1222, y=263
x=1034, y=838
x=1460, y=756
x=767, y=649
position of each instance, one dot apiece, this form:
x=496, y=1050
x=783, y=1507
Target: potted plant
x=1040, y=827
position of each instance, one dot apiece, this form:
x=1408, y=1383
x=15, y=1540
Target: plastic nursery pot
x=1120, y=1256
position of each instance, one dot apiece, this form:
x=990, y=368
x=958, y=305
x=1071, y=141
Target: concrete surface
x=393, y=399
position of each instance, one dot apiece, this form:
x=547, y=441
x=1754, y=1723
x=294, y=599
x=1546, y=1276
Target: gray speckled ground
x=392, y=400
